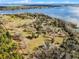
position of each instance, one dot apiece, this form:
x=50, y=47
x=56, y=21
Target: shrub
x=8, y=48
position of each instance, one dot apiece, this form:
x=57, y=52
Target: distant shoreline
x=21, y=7
x=32, y=6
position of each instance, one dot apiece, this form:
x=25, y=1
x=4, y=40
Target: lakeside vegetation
x=37, y=36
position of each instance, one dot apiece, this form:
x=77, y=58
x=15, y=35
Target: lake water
x=66, y=13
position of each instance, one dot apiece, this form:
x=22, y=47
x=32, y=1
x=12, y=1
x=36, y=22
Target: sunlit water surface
x=65, y=13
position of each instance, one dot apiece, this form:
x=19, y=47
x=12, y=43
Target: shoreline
x=21, y=7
